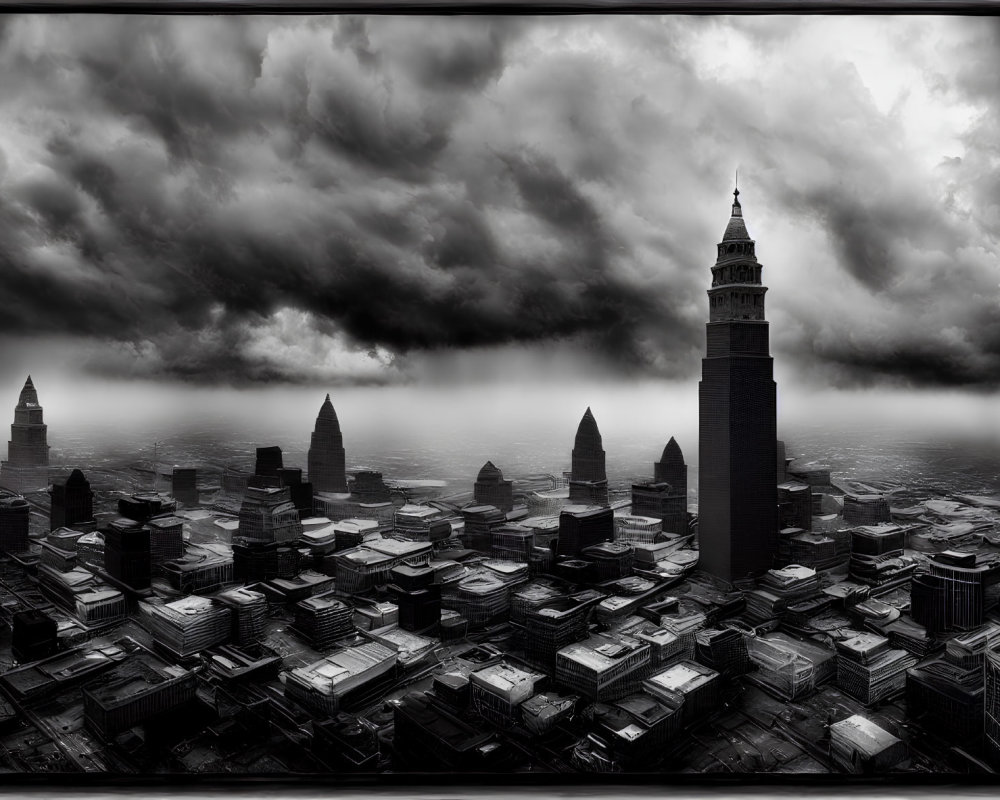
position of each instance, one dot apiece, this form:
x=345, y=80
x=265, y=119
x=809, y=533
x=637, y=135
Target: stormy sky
x=342, y=200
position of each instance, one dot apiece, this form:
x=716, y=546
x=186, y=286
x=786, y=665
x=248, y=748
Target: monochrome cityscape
x=398, y=396
x=281, y=621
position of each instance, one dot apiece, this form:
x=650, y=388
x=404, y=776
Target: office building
x=582, y=526
x=512, y=542
x=248, y=613
x=696, y=684
x=420, y=524
x=187, y=626
x=340, y=678
x=322, y=620
x=202, y=568
x=267, y=464
x=299, y=492
x=166, y=539
x=416, y=596
x=603, y=667
x=184, y=485
x=480, y=522
x=588, y=482
x=795, y=505
x=869, y=670
x=327, y=459
x=362, y=568
x=267, y=516
x=72, y=502
x=663, y=502
x=866, y=509
x=14, y=523
x=950, y=592
x=738, y=509
x=498, y=690
x=134, y=692
x=127, y=556
x=859, y=745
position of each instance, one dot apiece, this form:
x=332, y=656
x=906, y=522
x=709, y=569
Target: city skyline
x=471, y=237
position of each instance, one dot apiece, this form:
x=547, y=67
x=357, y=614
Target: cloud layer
x=358, y=200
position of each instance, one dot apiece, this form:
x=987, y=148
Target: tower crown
x=29, y=397
x=737, y=292
x=587, y=433
x=672, y=454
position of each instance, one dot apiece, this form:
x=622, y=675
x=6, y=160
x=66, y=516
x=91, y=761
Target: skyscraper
x=72, y=502
x=326, y=452
x=588, y=478
x=27, y=461
x=737, y=516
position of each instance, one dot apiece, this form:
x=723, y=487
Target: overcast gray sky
x=341, y=200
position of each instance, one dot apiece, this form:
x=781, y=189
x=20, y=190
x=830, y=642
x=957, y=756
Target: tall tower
x=588, y=477
x=737, y=490
x=27, y=461
x=327, y=470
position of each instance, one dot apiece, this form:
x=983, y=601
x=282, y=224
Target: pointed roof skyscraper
x=327, y=459
x=588, y=451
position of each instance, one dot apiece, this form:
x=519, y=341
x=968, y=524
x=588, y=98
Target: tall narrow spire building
x=737, y=491
x=327, y=460
x=27, y=461
x=588, y=476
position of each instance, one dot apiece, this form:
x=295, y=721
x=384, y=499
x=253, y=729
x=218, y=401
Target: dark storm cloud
x=257, y=199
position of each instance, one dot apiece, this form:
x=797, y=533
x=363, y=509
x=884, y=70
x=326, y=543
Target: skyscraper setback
x=737, y=519
x=327, y=460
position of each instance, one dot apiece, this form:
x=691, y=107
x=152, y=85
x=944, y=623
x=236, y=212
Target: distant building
x=268, y=463
x=72, y=502
x=480, y=522
x=663, y=501
x=866, y=509
x=368, y=487
x=26, y=467
x=326, y=452
x=588, y=477
x=737, y=494
x=268, y=516
x=492, y=490
x=795, y=505
x=14, y=519
x=301, y=493
x=127, y=555
x=184, y=485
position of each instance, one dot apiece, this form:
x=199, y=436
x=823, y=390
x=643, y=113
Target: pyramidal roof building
x=327, y=459
x=26, y=467
x=588, y=476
